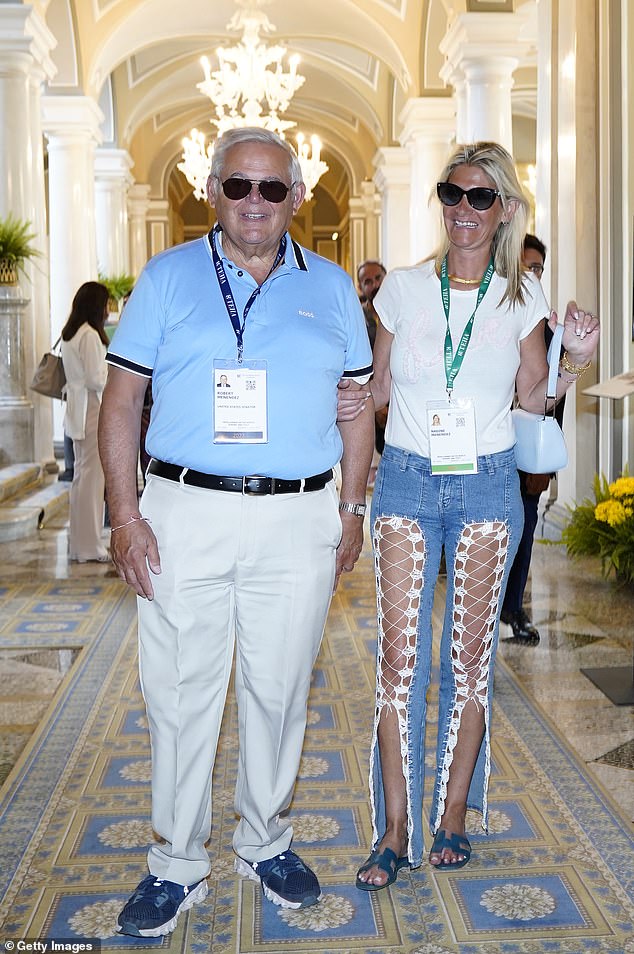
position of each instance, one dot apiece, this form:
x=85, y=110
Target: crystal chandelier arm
x=240, y=88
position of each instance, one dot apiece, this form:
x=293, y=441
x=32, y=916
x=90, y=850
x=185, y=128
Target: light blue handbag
x=540, y=447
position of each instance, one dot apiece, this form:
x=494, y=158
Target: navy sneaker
x=154, y=907
x=285, y=879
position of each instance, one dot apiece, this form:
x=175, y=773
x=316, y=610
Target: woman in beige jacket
x=84, y=345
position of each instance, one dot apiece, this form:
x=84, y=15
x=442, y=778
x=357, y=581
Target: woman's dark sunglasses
x=271, y=190
x=479, y=199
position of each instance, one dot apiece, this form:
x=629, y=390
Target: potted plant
x=118, y=287
x=16, y=248
x=604, y=527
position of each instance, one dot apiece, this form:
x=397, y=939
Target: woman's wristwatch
x=358, y=509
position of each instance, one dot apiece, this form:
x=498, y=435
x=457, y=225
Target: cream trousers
x=254, y=573
x=86, y=492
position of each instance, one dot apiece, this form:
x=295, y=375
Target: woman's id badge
x=240, y=412
x=452, y=437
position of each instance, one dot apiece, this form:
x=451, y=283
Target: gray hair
x=232, y=137
x=507, y=244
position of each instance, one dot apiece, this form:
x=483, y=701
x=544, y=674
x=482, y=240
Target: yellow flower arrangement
x=605, y=527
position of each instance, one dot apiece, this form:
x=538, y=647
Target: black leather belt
x=252, y=485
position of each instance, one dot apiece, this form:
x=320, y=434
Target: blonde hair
x=507, y=243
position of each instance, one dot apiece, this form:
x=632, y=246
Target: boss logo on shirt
x=306, y=314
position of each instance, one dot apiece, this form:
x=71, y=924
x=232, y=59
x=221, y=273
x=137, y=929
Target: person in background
x=443, y=325
x=531, y=488
x=370, y=274
x=84, y=344
x=146, y=412
x=69, y=460
x=239, y=537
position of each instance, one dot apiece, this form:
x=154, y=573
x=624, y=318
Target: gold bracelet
x=576, y=369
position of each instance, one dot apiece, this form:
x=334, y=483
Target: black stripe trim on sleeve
x=127, y=365
x=299, y=255
x=359, y=372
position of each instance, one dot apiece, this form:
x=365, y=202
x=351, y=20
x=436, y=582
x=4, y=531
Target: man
x=216, y=555
x=531, y=486
x=370, y=274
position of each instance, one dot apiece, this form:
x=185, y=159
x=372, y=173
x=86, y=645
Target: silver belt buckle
x=256, y=493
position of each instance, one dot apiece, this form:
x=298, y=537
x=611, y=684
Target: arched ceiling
x=362, y=59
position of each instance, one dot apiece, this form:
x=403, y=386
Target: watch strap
x=358, y=509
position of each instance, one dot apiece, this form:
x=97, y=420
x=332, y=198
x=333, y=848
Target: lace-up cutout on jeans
x=477, y=519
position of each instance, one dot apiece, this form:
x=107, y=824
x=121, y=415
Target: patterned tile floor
x=555, y=873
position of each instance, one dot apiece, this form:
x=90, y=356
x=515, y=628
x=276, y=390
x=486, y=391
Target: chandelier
x=251, y=76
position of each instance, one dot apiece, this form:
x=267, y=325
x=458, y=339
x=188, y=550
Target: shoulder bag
x=540, y=446
x=50, y=378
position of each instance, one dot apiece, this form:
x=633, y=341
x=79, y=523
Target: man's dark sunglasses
x=271, y=190
x=479, y=198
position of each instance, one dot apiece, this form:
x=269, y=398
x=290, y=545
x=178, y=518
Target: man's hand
x=351, y=544
x=351, y=399
x=133, y=548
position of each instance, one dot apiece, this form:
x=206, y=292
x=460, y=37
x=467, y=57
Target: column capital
x=508, y=38
x=113, y=165
x=428, y=117
x=393, y=167
x=139, y=199
x=22, y=30
x=356, y=207
x=72, y=117
x=368, y=200
x=158, y=209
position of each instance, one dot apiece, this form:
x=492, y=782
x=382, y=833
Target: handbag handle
x=554, y=351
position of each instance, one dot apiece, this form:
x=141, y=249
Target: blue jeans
x=478, y=519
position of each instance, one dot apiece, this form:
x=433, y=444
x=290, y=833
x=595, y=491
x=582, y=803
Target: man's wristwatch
x=356, y=508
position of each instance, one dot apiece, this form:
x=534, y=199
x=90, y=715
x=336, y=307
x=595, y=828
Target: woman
x=457, y=335
x=84, y=344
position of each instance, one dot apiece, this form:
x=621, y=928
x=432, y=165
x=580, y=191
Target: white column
x=158, y=225
x=25, y=45
x=489, y=82
x=138, y=205
x=392, y=177
x=546, y=180
x=72, y=125
x=365, y=222
x=482, y=52
x=462, y=108
x=112, y=181
x=568, y=210
x=428, y=129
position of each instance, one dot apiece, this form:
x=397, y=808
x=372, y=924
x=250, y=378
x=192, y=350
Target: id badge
x=452, y=437
x=240, y=402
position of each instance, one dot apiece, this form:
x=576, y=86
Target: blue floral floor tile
x=554, y=874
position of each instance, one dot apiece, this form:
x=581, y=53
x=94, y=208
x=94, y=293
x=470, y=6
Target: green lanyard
x=453, y=363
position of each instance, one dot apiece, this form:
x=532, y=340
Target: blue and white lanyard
x=227, y=294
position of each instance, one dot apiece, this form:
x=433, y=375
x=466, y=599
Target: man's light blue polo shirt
x=306, y=323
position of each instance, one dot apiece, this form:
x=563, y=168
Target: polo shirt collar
x=294, y=256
